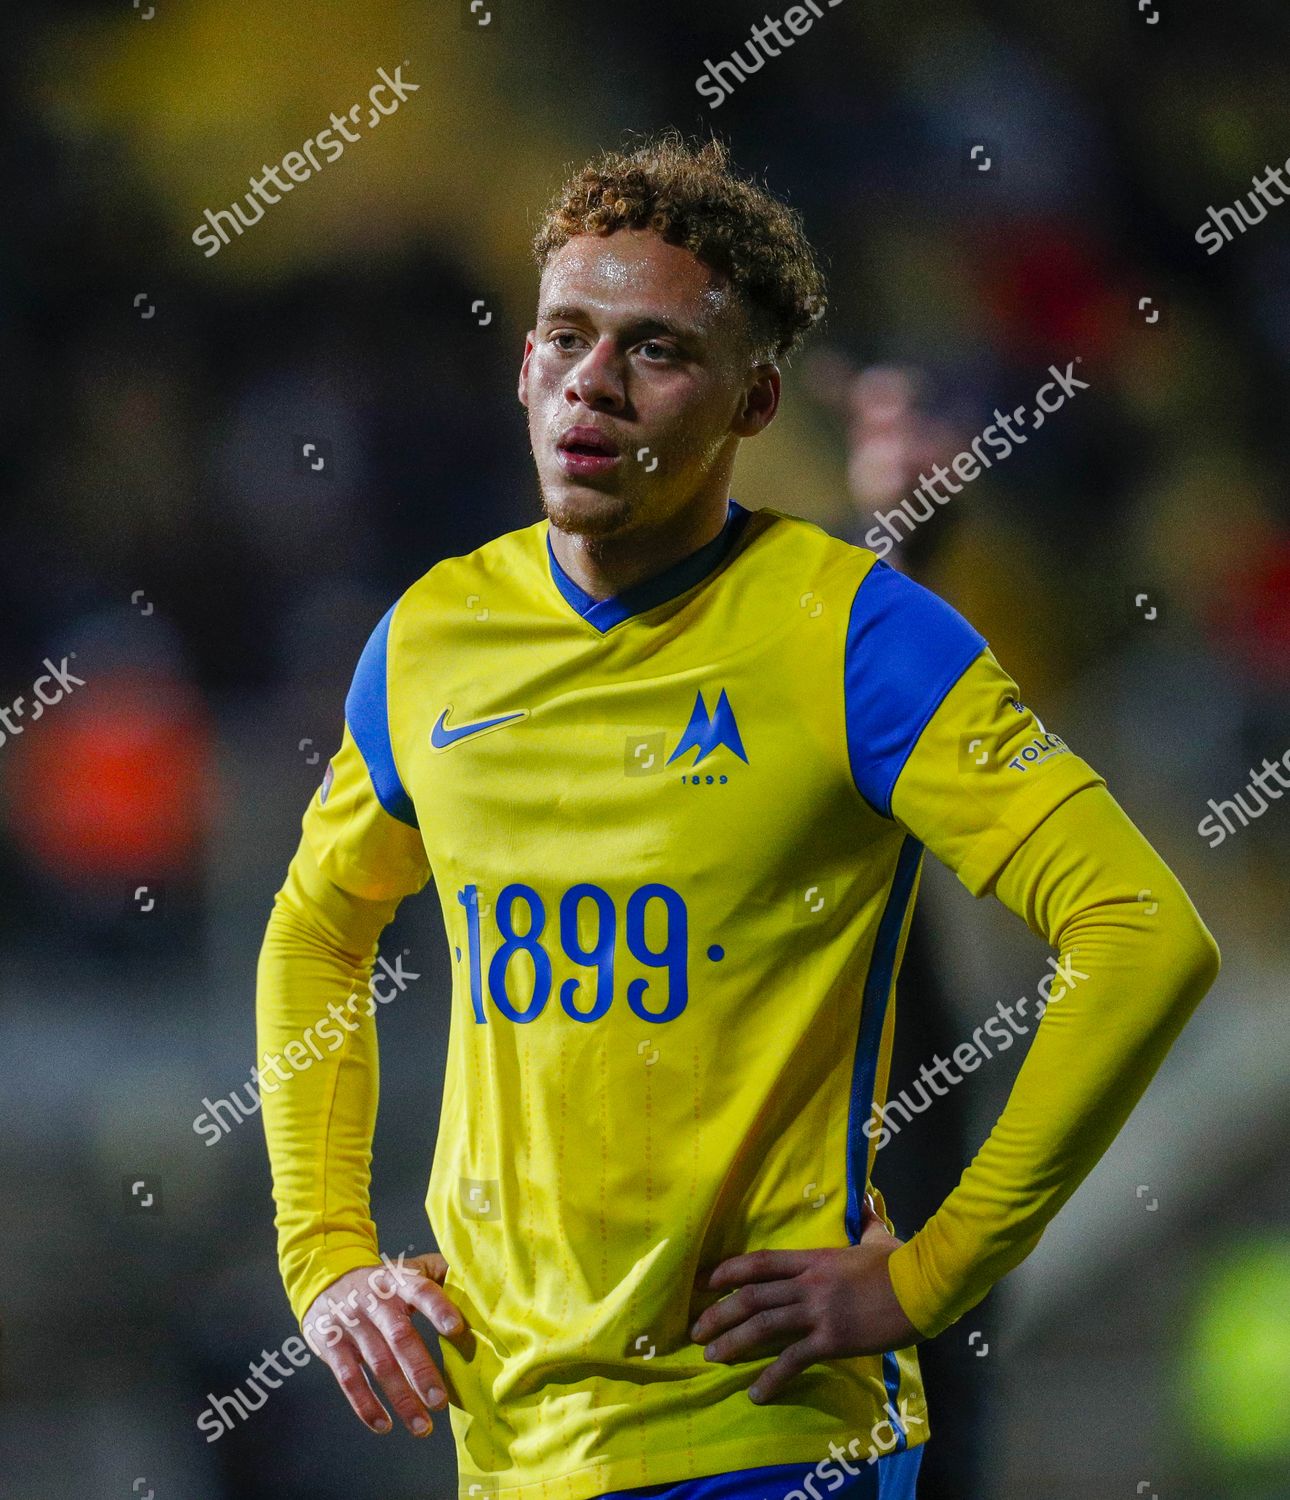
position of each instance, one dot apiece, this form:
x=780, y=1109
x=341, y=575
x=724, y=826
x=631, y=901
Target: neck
x=603, y=566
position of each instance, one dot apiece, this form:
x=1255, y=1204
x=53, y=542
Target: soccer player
x=673, y=766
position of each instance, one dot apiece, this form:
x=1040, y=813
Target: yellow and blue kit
x=676, y=837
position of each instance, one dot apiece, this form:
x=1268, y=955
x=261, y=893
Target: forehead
x=632, y=273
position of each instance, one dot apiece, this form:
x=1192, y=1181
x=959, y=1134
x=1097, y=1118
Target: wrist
x=324, y=1271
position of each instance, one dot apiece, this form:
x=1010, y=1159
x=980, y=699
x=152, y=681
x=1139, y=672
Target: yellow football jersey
x=676, y=894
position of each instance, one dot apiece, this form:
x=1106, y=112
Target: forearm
x=1079, y=880
x=319, y=1103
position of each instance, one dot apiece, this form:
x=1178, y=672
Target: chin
x=582, y=511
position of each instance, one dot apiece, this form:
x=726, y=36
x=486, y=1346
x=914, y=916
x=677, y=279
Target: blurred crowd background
x=161, y=524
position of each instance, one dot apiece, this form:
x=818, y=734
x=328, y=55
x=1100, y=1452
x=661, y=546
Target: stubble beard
x=590, y=514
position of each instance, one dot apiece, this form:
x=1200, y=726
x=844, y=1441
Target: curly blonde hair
x=690, y=197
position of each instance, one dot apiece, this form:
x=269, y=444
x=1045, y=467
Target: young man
x=673, y=766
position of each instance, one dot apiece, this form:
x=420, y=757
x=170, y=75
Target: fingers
x=363, y=1318
x=345, y=1365
x=417, y=1283
x=796, y=1358
x=432, y=1264
x=765, y=1332
x=382, y=1336
x=381, y=1360
x=415, y=1360
x=759, y=1265
x=430, y=1299
x=738, y=1306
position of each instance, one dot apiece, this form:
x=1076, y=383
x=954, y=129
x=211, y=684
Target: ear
x=524, y=368
x=759, y=402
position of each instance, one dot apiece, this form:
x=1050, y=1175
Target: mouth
x=582, y=451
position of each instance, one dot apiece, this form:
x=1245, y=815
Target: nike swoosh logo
x=441, y=736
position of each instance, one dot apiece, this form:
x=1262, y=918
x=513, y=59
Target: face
x=643, y=347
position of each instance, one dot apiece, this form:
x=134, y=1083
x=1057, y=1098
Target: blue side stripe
x=906, y=648
x=367, y=714
x=891, y=1379
x=873, y=1012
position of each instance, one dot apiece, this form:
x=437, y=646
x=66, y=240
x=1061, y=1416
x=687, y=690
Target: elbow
x=1210, y=959
x=1179, y=962
x=1198, y=959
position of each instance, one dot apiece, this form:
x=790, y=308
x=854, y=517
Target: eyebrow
x=640, y=324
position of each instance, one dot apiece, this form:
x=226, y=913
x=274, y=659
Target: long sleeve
x=314, y=1014
x=360, y=854
x=1134, y=961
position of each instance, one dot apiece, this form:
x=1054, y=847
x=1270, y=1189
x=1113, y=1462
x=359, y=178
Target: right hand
x=364, y=1317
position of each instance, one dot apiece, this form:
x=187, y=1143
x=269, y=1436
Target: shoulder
x=892, y=622
x=800, y=561
x=451, y=591
x=804, y=542
x=502, y=563
x=906, y=647
x=891, y=615
x=407, y=634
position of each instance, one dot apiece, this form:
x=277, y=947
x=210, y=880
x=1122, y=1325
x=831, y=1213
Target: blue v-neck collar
x=674, y=580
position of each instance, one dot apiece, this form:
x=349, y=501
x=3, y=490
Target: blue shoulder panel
x=368, y=716
x=906, y=648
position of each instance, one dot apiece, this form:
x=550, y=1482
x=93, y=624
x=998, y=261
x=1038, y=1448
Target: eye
x=665, y=350
x=565, y=334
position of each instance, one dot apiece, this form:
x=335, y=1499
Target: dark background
x=159, y=523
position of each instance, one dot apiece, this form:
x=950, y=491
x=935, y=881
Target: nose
x=596, y=380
